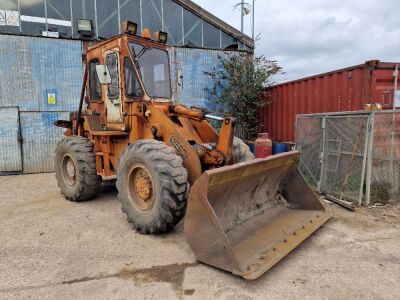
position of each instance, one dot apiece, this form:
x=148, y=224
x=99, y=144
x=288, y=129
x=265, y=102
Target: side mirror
x=103, y=74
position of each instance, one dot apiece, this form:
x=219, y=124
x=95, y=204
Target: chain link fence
x=351, y=156
x=385, y=163
x=309, y=142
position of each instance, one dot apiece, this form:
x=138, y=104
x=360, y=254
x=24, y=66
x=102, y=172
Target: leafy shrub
x=239, y=82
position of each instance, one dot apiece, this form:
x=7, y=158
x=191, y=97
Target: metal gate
x=40, y=138
x=309, y=142
x=353, y=156
x=10, y=147
x=334, y=152
x=344, y=154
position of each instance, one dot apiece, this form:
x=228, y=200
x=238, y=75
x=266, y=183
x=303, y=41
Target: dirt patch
x=369, y=219
x=188, y=292
x=172, y=274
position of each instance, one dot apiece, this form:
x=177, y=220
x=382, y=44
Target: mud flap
x=246, y=217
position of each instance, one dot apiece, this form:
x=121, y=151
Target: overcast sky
x=314, y=36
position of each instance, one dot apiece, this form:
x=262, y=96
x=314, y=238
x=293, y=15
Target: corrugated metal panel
x=192, y=63
x=40, y=138
x=347, y=89
x=10, y=150
x=33, y=70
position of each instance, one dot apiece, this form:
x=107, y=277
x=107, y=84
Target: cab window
x=94, y=83
x=132, y=85
x=113, y=86
x=153, y=64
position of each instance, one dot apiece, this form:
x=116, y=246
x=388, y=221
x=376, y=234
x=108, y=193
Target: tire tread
x=173, y=186
x=89, y=181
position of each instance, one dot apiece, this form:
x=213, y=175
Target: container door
x=10, y=147
x=113, y=95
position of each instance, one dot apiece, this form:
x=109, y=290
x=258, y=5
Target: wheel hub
x=68, y=170
x=140, y=187
x=143, y=187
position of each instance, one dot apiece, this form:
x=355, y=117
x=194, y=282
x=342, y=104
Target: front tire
x=75, y=166
x=152, y=186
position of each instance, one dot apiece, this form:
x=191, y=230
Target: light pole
x=241, y=15
x=245, y=9
x=252, y=23
x=395, y=75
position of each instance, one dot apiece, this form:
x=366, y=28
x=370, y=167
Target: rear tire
x=75, y=166
x=241, y=152
x=152, y=186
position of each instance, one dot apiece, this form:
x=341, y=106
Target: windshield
x=154, y=69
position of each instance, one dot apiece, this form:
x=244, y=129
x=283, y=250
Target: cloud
x=315, y=36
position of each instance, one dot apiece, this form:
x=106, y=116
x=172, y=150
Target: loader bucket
x=246, y=217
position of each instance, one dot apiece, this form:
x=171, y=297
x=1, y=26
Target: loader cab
x=124, y=69
x=153, y=68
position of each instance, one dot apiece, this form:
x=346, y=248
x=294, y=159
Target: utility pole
x=241, y=15
x=395, y=75
x=392, y=141
x=252, y=29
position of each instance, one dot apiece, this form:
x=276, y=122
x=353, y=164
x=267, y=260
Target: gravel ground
x=52, y=248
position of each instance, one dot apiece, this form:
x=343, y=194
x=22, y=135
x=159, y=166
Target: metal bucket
x=246, y=217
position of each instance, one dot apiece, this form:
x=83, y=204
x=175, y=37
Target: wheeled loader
x=242, y=214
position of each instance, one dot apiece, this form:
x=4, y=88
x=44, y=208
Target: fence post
x=369, y=160
x=296, y=127
x=367, y=138
x=392, y=141
x=321, y=182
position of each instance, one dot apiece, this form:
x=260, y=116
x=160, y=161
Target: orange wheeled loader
x=241, y=214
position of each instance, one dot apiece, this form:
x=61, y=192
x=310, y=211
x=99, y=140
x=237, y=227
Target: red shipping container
x=341, y=90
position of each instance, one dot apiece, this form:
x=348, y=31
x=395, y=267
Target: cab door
x=113, y=91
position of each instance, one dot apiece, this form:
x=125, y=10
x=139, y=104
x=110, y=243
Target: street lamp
x=245, y=9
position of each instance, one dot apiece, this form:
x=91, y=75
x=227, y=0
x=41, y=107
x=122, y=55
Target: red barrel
x=263, y=145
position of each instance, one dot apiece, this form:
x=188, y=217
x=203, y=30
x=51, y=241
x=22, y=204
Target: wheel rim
x=68, y=170
x=140, y=188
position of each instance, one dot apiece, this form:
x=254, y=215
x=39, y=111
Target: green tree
x=239, y=82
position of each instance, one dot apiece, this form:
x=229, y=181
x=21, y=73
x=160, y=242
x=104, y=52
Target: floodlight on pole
x=245, y=9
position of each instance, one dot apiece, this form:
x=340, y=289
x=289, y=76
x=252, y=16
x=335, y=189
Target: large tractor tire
x=241, y=152
x=152, y=186
x=75, y=166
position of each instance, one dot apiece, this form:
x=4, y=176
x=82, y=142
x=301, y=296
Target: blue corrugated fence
x=41, y=78
x=40, y=74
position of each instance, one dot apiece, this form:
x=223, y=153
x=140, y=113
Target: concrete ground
x=52, y=248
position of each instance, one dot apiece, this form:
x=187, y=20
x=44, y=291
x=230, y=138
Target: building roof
x=209, y=17
x=59, y=19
